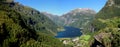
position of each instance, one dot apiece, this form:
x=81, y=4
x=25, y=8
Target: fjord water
x=69, y=32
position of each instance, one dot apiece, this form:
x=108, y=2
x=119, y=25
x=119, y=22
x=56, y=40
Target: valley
x=76, y=25
x=23, y=26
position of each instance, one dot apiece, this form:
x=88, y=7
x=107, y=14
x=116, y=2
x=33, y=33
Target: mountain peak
x=113, y=3
x=82, y=10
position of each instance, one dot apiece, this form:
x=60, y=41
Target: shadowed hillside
x=21, y=26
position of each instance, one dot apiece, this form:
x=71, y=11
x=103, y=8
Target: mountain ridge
x=72, y=13
x=20, y=29
x=106, y=25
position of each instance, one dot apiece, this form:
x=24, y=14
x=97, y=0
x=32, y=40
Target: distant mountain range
x=80, y=18
x=22, y=26
x=55, y=18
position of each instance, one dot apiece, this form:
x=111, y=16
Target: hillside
x=55, y=18
x=107, y=25
x=80, y=17
x=35, y=19
x=110, y=10
x=22, y=26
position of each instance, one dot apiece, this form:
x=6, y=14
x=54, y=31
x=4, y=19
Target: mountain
x=22, y=26
x=79, y=17
x=107, y=25
x=35, y=19
x=110, y=10
x=55, y=18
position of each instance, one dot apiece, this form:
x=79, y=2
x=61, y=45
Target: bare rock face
x=101, y=36
x=114, y=3
x=111, y=2
x=102, y=40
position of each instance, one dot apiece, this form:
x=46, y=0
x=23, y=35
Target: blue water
x=70, y=32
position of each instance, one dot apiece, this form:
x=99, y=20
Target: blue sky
x=59, y=7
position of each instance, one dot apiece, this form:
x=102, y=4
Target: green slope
x=106, y=25
x=35, y=20
x=110, y=10
x=19, y=29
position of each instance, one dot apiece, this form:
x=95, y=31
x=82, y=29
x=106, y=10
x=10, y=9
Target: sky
x=59, y=7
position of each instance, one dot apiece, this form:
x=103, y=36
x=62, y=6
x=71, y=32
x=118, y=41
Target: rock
x=102, y=40
x=101, y=36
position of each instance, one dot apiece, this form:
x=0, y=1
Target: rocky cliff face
x=113, y=3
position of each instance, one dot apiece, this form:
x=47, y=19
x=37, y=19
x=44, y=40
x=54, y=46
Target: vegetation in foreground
x=19, y=29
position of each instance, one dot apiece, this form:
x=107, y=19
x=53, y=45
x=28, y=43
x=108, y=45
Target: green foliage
x=20, y=30
x=84, y=40
x=98, y=25
x=112, y=28
x=109, y=11
x=116, y=39
x=108, y=21
x=106, y=12
x=117, y=2
x=48, y=39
